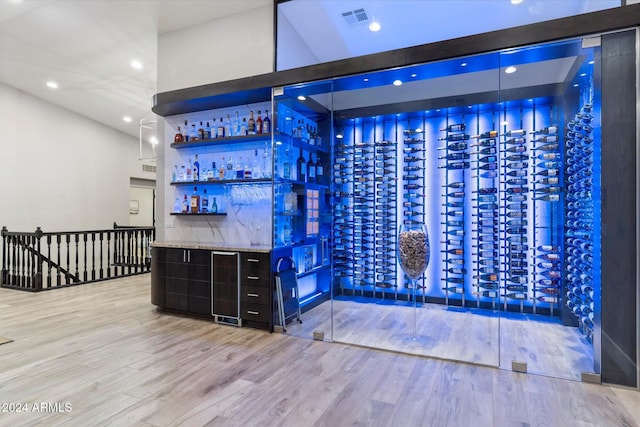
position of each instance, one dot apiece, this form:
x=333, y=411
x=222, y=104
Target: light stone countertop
x=234, y=247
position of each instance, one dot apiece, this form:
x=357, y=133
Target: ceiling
x=87, y=48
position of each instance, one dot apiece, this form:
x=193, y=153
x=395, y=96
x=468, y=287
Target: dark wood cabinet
x=231, y=287
x=256, y=296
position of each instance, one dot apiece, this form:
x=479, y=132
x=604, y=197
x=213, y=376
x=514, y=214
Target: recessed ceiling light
x=366, y=80
x=414, y=75
x=374, y=26
x=470, y=106
x=592, y=62
x=302, y=98
x=530, y=99
x=339, y=136
x=576, y=85
x=464, y=64
x=583, y=74
x=127, y=119
x=397, y=82
x=52, y=84
x=136, y=64
x=510, y=69
x=419, y=130
x=516, y=1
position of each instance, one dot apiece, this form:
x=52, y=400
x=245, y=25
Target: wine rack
x=456, y=161
x=343, y=255
x=547, y=193
x=485, y=219
x=363, y=215
x=515, y=174
x=386, y=225
x=580, y=214
x=413, y=187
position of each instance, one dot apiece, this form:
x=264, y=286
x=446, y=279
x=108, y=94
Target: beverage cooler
x=497, y=156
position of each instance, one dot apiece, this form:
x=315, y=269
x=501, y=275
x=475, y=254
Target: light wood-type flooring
x=104, y=350
x=473, y=335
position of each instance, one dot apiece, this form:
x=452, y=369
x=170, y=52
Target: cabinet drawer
x=256, y=312
x=255, y=294
x=255, y=279
x=255, y=264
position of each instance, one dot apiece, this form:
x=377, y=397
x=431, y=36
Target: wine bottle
x=548, y=198
x=455, y=261
x=486, y=246
x=517, y=288
x=550, y=139
x=488, y=150
x=453, y=223
x=488, y=166
x=487, y=206
x=459, y=184
x=547, y=181
x=455, y=137
x=551, y=274
x=301, y=168
x=454, y=289
x=487, y=277
x=517, y=198
x=455, y=213
x=266, y=122
x=548, y=291
x=516, y=230
x=549, y=156
x=549, y=190
x=548, y=172
x=517, y=149
x=411, y=150
x=484, y=143
x=517, y=190
x=486, y=214
x=517, y=181
x=516, y=214
x=516, y=141
x=412, y=168
x=456, y=127
x=456, y=270
x=455, y=165
x=486, y=222
x=517, y=223
x=515, y=133
x=488, y=174
x=455, y=156
x=486, y=285
x=489, y=198
x=488, y=134
x=517, y=173
x=488, y=159
x=457, y=251
x=547, y=299
x=517, y=165
x=311, y=169
x=453, y=242
x=456, y=232
x=517, y=279
x=547, y=131
x=454, y=204
x=516, y=295
x=456, y=146
x=456, y=194
x=412, y=159
x=516, y=206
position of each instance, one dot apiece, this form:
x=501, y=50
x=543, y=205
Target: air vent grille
x=148, y=168
x=356, y=16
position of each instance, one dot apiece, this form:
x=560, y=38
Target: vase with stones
x=413, y=256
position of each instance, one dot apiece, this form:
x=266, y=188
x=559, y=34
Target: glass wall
x=465, y=207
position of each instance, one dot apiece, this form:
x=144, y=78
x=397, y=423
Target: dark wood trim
x=258, y=88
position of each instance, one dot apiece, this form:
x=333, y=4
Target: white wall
x=224, y=49
x=293, y=51
x=60, y=170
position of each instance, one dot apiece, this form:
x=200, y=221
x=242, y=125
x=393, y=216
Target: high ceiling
x=87, y=48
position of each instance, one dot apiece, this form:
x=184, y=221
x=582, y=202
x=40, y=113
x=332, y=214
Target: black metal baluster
x=93, y=256
x=85, y=274
x=68, y=241
x=109, y=254
x=77, y=238
x=59, y=259
x=101, y=260
x=49, y=258
x=3, y=277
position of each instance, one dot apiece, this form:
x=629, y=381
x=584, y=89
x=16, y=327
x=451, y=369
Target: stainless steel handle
x=253, y=312
x=184, y=255
x=252, y=260
x=253, y=278
x=189, y=256
x=253, y=295
x=224, y=253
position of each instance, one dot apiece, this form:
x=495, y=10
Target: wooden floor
x=472, y=335
x=105, y=351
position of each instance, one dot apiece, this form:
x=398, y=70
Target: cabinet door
x=225, y=284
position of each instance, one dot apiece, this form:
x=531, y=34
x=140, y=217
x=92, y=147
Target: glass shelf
x=225, y=182
x=199, y=214
x=222, y=141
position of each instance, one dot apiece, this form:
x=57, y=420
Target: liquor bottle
x=489, y=134
x=221, y=133
x=195, y=201
x=301, y=168
x=319, y=171
x=547, y=131
x=212, y=173
x=259, y=123
x=251, y=124
x=227, y=127
x=178, y=137
x=204, y=207
x=207, y=131
x=185, y=204
x=201, y=132
x=185, y=132
x=266, y=122
x=196, y=169
x=229, y=173
x=189, y=172
x=214, y=206
x=515, y=133
x=456, y=127
x=193, y=133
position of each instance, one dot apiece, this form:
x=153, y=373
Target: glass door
x=549, y=112
x=302, y=208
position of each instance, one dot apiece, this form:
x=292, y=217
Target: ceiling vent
x=353, y=17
